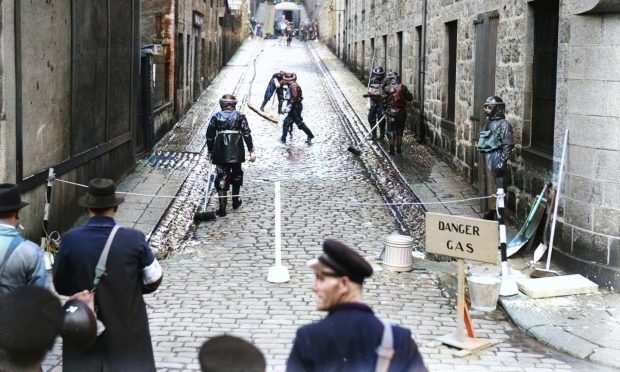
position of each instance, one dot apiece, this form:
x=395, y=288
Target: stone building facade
x=185, y=43
x=555, y=64
x=70, y=81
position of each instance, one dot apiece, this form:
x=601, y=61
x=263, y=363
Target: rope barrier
x=165, y=196
x=269, y=192
x=420, y=203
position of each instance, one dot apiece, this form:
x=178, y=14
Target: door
x=484, y=86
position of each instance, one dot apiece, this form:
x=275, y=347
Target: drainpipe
x=421, y=77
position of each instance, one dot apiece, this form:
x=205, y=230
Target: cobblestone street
x=216, y=281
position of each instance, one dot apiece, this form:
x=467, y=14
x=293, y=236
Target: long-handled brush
x=204, y=215
x=355, y=148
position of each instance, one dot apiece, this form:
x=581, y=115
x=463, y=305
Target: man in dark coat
x=395, y=98
x=349, y=337
x=294, y=108
x=226, y=133
x=131, y=271
x=496, y=143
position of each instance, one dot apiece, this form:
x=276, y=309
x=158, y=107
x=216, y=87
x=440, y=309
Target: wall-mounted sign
x=462, y=237
x=198, y=19
x=158, y=49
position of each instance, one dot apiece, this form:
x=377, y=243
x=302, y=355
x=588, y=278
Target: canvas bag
x=89, y=296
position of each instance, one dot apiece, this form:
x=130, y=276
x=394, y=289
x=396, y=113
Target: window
x=178, y=61
x=418, y=61
x=449, y=95
x=544, y=77
x=363, y=59
x=385, y=52
x=158, y=26
x=399, y=40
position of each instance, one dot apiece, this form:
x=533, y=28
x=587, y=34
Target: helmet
x=393, y=75
x=289, y=77
x=79, y=328
x=494, y=106
x=228, y=100
x=379, y=72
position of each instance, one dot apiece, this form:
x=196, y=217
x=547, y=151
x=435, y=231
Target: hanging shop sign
x=198, y=19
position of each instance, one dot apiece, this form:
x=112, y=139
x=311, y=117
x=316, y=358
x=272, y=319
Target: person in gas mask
x=496, y=143
x=274, y=86
x=375, y=112
x=226, y=132
x=294, y=108
x=395, y=98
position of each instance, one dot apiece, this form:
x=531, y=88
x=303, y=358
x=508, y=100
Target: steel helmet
x=378, y=71
x=290, y=77
x=228, y=100
x=393, y=75
x=493, y=106
x=79, y=328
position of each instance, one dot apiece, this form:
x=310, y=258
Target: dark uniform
x=496, y=144
x=374, y=94
x=347, y=339
x=294, y=108
x=395, y=98
x=274, y=86
x=226, y=133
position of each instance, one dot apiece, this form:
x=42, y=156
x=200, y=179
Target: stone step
x=564, y=285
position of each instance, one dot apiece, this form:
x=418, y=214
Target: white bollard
x=278, y=273
x=509, y=285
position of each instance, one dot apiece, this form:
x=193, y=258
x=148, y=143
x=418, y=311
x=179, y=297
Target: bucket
x=484, y=291
x=397, y=254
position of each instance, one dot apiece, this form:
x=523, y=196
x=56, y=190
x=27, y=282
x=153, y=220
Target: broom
x=205, y=215
x=355, y=148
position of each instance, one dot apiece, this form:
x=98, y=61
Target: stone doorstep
x=564, y=285
x=562, y=340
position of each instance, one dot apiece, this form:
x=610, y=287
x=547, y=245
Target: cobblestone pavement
x=216, y=281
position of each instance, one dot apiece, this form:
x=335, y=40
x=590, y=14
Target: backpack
x=397, y=97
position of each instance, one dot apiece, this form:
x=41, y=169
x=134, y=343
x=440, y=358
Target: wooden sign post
x=464, y=238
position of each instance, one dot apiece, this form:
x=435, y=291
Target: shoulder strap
x=15, y=242
x=385, y=351
x=101, y=265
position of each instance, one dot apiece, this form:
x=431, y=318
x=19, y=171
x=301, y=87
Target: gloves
x=252, y=156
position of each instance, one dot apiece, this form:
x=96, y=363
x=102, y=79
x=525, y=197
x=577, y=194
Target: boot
x=381, y=133
x=262, y=107
x=222, y=204
x=236, y=200
x=391, y=149
x=306, y=130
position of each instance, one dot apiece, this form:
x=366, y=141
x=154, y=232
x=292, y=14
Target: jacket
x=295, y=93
x=346, y=340
x=25, y=266
x=395, y=97
x=125, y=345
x=226, y=133
x=497, y=136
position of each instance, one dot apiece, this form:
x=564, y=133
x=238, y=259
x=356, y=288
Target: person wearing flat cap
x=351, y=337
x=131, y=270
x=21, y=261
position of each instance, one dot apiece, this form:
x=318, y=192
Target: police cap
x=344, y=261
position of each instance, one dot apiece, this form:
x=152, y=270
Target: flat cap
x=344, y=261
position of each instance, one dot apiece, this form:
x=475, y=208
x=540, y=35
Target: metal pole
x=278, y=237
x=557, y=199
x=460, y=301
x=278, y=273
x=509, y=286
